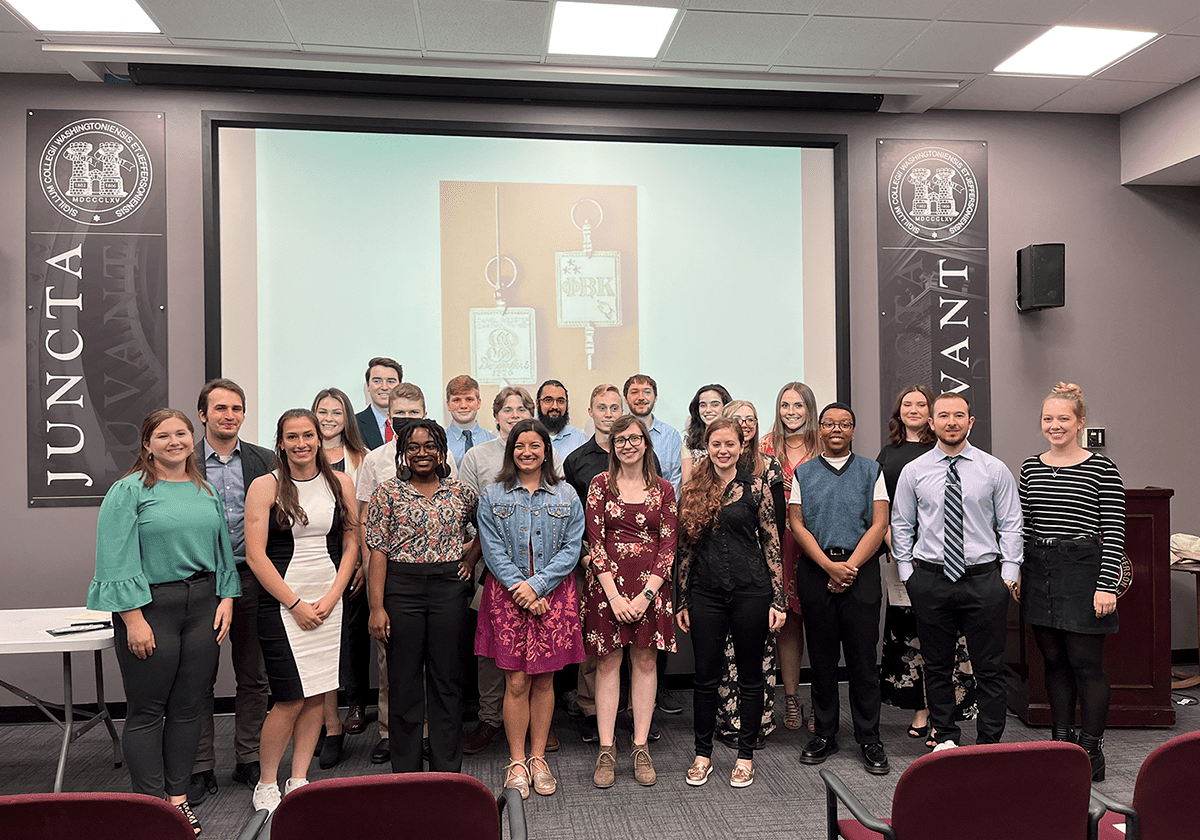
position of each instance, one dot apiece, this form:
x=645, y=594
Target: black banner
x=933, y=273
x=96, y=296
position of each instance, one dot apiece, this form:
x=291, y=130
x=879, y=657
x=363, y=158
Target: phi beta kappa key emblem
x=588, y=282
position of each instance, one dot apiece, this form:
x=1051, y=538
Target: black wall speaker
x=1041, y=277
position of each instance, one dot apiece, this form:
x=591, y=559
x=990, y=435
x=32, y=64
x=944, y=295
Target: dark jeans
x=164, y=692
x=713, y=617
x=426, y=604
x=250, y=675
x=977, y=606
x=849, y=622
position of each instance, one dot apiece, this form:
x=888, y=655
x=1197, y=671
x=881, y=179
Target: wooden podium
x=1138, y=658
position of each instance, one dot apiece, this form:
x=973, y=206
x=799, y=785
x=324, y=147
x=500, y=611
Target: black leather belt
x=1056, y=542
x=978, y=569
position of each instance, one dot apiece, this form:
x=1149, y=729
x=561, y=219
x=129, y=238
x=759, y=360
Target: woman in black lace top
x=729, y=578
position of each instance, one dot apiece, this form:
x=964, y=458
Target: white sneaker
x=293, y=783
x=265, y=797
x=945, y=745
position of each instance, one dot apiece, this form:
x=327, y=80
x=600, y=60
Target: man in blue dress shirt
x=553, y=409
x=956, y=538
x=462, y=404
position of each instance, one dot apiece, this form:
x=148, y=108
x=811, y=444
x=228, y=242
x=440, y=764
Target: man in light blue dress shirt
x=553, y=409
x=641, y=395
x=970, y=593
x=462, y=404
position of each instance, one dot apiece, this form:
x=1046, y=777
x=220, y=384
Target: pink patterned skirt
x=519, y=641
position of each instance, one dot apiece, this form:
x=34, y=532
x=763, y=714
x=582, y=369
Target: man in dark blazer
x=230, y=464
x=383, y=374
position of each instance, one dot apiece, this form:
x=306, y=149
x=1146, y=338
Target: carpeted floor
x=787, y=799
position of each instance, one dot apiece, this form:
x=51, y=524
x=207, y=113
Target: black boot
x=1095, y=750
x=1058, y=732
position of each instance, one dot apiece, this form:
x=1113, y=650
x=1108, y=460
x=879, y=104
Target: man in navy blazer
x=230, y=464
x=383, y=374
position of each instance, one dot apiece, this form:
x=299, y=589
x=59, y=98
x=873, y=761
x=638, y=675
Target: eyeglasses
x=633, y=441
x=745, y=418
x=554, y=400
x=417, y=448
x=829, y=426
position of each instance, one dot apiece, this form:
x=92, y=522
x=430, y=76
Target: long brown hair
x=649, y=472
x=752, y=459
x=897, y=431
x=694, y=432
x=145, y=461
x=700, y=499
x=352, y=440
x=812, y=441
x=508, y=475
x=287, y=498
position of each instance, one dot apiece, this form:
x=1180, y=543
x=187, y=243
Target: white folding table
x=24, y=631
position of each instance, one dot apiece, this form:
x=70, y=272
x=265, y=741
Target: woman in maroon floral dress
x=631, y=529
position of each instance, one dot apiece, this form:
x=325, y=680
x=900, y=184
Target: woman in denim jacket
x=531, y=528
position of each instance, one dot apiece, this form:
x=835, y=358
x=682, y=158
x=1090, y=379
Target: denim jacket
x=551, y=517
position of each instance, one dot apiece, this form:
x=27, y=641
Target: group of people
x=373, y=525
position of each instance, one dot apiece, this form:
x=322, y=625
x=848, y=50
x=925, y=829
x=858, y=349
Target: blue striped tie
x=955, y=565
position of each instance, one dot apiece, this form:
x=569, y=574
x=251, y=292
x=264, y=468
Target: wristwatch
x=650, y=595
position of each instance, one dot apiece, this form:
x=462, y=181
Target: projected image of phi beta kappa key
x=588, y=281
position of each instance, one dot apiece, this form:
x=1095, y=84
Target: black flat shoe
x=875, y=759
x=382, y=753
x=200, y=787
x=818, y=749
x=331, y=751
x=247, y=774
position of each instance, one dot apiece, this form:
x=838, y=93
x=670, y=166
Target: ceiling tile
x=479, y=26
x=964, y=47
x=852, y=72
x=1008, y=93
x=247, y=20
x=1097, y=96
x=849, y=42
x=1172, y=58
x=20, y=54
x=1048, y=12
x=358, y=23
x=791, y=7
x=1156, y=15
x=728, y=38
x=493, y=57
x=1192, y=27
x=908, y=9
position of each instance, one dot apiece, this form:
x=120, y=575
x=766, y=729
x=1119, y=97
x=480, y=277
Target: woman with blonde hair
x=1073, y=502
x=793, y=439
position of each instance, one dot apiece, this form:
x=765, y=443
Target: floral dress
x=632, y=542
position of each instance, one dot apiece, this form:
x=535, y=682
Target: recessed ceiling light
x=609, y=29
x=84, y=15
x=1074, y=51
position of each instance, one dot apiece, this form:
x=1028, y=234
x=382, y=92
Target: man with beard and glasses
x=554, y=412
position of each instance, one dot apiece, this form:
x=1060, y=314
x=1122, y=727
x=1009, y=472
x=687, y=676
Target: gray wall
x=1125, y=335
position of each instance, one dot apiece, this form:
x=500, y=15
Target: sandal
x=812, y=721
x=698, y=773
x=517, y=777
x=188, y=815
x=931, y=741
x=918, y=731
x=793, y=711
x=544, y=783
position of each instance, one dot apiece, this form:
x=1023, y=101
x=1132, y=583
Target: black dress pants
x=357, y=647
x=426, y=604
x=835, y=623
x=977, y=605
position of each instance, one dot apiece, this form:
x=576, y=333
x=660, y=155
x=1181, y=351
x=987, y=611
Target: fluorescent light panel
x=609, y=29
x=85, y=15
x=1074, y=51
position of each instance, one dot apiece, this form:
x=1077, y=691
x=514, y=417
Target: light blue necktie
x=955, y=565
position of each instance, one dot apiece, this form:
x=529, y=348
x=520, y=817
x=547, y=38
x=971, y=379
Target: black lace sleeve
x=768, y=534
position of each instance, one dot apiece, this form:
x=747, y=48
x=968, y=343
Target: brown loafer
x=606, y=767
x=481, y=738
x=552, y=743
x=544, y=783
x=742, y=776
x=643, y=767
x=356, y=721
x=698, y=773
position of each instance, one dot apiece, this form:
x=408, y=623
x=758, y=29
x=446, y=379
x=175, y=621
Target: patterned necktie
x=388, y=434
x=470, y=441
x=954, y=564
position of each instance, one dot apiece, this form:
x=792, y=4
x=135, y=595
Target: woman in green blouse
x=165, y=569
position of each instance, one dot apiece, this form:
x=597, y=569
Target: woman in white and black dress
x=302, y=545
x=1073, y=502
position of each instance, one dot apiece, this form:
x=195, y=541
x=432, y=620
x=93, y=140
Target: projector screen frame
x=213, y=121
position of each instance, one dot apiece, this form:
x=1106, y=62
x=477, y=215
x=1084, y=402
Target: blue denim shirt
x=551, y=518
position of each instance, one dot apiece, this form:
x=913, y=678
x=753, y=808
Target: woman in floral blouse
x=631, y=528
x=418, y=590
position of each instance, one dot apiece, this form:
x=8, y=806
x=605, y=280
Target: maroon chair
x=439, y=806
x=1038, y=790
x=1166, y=796
x=96, y=816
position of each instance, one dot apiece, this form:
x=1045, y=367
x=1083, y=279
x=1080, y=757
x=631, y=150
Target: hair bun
x=1067, y=389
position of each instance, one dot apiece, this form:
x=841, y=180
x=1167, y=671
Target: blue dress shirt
x=668, y=446
x=568, y=440
x=456, y=440
x=229, y=481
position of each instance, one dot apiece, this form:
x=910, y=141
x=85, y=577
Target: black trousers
x=713, y=616
x=164, y=692
x=835, y=623
x=426, y=604
x=976, y=605
x=357, y=647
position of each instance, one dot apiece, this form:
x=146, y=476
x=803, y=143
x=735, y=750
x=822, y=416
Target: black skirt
x=1058, y=584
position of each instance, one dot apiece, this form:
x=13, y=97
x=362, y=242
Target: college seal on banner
x=96, y=172
x=933, y=194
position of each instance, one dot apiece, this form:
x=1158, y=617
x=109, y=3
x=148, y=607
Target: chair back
x=1166, y=795
x=96, y=816
x=439, y=806
x=1031, y=790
